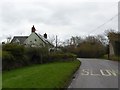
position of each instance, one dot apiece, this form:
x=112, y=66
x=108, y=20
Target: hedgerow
x=15, y=56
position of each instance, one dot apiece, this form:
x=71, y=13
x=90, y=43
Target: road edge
x=74, y=75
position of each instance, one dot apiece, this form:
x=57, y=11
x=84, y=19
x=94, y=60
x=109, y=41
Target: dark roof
x=44, y=39
x=21, y=39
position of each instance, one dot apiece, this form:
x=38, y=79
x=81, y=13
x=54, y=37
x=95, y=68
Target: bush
x=61, y=56
x=7, y=60
x=87, y=50
x=0, y=53
x=36, y=55
x=15, y=56
x=16, y=50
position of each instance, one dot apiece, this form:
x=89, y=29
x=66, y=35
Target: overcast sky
x=64, y=18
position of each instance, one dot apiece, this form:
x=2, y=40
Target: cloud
x=59, y=17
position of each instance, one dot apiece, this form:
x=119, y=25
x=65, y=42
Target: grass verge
x=52, y=75
x=0, y=67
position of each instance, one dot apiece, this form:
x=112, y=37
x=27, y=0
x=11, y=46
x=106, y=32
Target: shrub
x=36, y=55
x=7, y=60
x=61, y=56
x=111, y=57
x=16, y=50
x=88, y=50
x=15, y=56
x=0, y=53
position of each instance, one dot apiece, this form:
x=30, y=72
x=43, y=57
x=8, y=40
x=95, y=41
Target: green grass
x=0, y=80
x=52, y=75
x=0, y=72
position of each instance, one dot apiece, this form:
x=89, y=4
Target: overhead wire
x=103, y=24
x=112, y=18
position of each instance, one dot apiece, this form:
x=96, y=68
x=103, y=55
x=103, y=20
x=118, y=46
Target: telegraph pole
x=56, y=42
x=108, y=51
x=108, y=48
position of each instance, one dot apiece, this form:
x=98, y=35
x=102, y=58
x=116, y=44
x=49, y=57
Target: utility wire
x=104, y=24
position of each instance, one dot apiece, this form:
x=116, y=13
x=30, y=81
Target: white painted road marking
x=96, y=73
x=100, y=72
x=85, y=72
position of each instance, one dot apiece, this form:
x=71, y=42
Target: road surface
x=96, y=73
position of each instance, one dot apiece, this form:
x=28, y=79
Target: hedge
x=16, y=50
x=15, y=56
x=61, y=56
x=7, y=60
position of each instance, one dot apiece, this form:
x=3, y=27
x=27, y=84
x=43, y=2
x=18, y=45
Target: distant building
x=33, y=40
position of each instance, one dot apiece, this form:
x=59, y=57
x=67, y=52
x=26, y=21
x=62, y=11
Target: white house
x=33, y=40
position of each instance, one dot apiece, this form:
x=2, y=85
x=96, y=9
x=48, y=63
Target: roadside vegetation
x=95, y=46
x=16, y=56
x=33, y=67
x=0, y=50
x=0, y=53
x=88, y=47
x=0, y=66
x=114, y=40
x=51, y=75
x=113, y=57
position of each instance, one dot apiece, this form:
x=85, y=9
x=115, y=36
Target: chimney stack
x=45, y=36
x=33, y=29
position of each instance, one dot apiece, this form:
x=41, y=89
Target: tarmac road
x=96, y=73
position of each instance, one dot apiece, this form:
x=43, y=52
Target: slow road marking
x=100, y=72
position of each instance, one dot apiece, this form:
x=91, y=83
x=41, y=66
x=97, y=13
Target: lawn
x=0, y=67
x=0, y=80
x=52, y=75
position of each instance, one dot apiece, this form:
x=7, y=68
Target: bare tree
x=77, y=40
x=55, y=40
x=66, y=42
x=102, y=39
x=52, y=39
x=108, y=31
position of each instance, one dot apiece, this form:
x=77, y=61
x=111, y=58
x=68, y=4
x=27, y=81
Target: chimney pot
x=45, y=35
x=33, y=29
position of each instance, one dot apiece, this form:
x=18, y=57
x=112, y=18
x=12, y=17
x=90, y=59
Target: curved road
x=96, y=73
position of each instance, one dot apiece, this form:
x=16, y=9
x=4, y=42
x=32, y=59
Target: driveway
x=96, y=73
